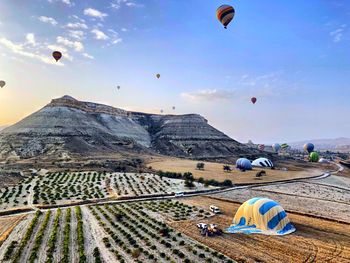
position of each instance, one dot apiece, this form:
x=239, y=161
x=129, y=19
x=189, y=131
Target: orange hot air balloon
x=57, y=55
x=158, y=76
x=253, y=100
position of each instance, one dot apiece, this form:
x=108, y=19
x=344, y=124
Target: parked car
x=215, y=209
x=180, y=194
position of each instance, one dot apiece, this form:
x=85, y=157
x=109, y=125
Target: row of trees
x=189, y=179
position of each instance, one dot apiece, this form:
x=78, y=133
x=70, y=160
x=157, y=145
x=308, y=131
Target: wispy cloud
x=209, y=95
x=337, y=34
x=31, y=39
x=77, y=34
x=46, y=19
x=118, y=3
x=67, y=2
x=77, y=45
x=88, y=56
x=19, y=49
x=100, y=35
x=77, y=25
x=94, y=13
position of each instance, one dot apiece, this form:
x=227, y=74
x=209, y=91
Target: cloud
x=46, y=19
x=209, y=95
x=87, y=56
x=31, y=39
x=337, y=34
x=124, y=29
x=94, y=13
x=78, y=46
x=99, y=34
x=18, y=49
x=118, y=3
x=77, y=25
x=67, y=2
x=77, y=34
x=116, y=41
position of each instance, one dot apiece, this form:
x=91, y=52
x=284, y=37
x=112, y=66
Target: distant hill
x=337, y=144
x=2, y=127
x=67, y=127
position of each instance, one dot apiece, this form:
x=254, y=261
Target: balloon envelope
x=225, y=14
x=314, y=157
x=118, y=87
x=276, y=147
x=2, y=83
x=158, y=76
x=309, y=147
x=261, y=147
x=57, y=55
x=253, y=100
x=243, y=163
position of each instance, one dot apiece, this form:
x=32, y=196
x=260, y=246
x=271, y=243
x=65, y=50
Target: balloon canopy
x=2, y=83
x=309, y=147
x=57, y=55
x=261, y=216
x=158, y=76
x=276, y=147
x=261, y=147
x=262, y=162
x=225, y=14
x=243, y=164
x=314, y=157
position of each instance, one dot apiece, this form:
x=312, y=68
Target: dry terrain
x=7, y=224
x=215, y=171
x=315, y=240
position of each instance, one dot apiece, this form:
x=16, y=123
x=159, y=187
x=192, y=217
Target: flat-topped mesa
x=95, y=108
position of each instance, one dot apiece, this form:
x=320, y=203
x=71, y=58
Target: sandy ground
x=215, y=171
x=327, y=197
x=315, y=240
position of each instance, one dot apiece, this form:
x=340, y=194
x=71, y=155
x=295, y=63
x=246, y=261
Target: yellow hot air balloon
x=225, y=14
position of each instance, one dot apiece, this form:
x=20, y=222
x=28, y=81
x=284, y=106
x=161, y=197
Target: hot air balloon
x=2, y=83
x=253, y=100
x=276, y=147
x=57, y=55
x=309, y=147
x=118, y=87
x=173, y=107
x=284, y=146
x=158, y=76
x=261, y=147
x=225, y=14
x=161, y=111
x=314, y=157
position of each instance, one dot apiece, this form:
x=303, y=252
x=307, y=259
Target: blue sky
x=294, y=56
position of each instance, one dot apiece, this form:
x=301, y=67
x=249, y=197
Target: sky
x=293, y=56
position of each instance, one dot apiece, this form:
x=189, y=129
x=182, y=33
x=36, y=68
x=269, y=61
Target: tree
x=200, y=166
x=227, y=168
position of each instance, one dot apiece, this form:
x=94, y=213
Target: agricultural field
x=215, y=170
x=133, y=232
x=315, y=240
x=7, y=224
x=69, y=187
x=328, y=197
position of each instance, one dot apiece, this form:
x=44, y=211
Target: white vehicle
x=215, y=209
x=202, y=226
x=180, y=194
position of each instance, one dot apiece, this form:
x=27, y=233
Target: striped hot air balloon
x=284, y=146
x=225, y=14
x=261, y=216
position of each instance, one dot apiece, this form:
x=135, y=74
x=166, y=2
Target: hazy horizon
x=292, y=56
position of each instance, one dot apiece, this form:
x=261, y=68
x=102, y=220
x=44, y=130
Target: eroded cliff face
x=67, y=126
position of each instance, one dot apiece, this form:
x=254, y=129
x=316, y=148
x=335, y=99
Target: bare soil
x=215, y=171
